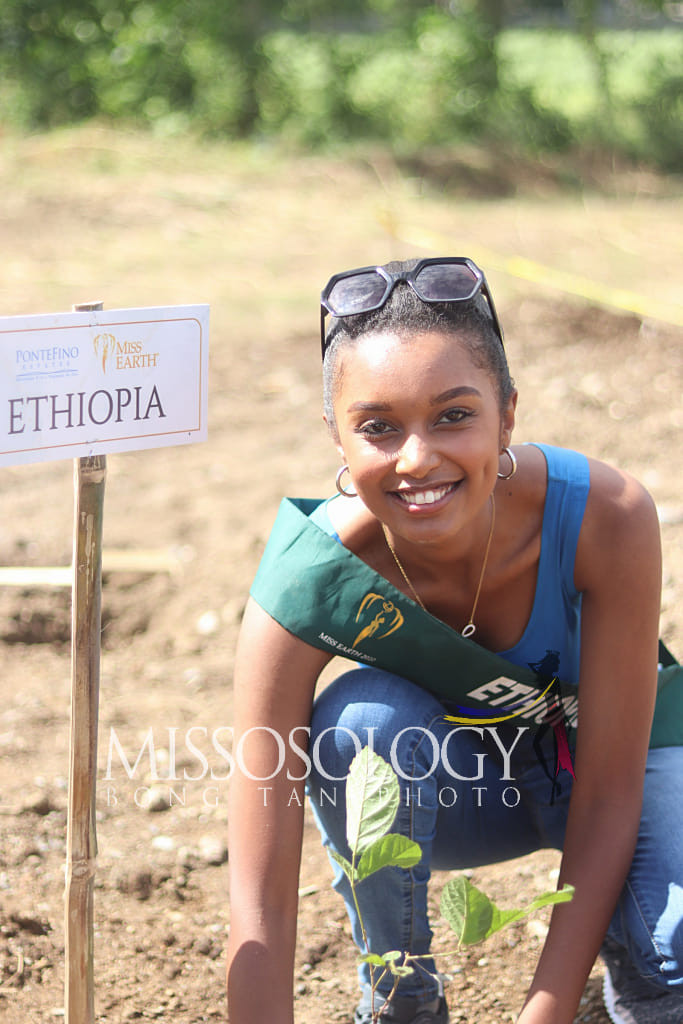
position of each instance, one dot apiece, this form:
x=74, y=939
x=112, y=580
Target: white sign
x=75, y=384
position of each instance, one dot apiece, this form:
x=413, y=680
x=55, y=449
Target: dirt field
x=134, y=222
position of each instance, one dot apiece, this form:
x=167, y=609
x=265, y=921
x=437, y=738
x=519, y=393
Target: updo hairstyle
x=404, y=314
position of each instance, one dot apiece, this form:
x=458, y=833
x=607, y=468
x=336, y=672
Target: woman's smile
x=425, y=498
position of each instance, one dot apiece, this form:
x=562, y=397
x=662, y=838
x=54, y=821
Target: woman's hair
x=404, y=314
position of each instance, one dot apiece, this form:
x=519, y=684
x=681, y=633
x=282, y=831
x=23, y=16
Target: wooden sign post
x=85, y=384
x=81, y=839
x=81, y=835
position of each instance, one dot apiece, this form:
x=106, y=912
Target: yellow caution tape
x=529, y=270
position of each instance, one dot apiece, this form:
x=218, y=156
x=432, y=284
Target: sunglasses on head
x=441, y=279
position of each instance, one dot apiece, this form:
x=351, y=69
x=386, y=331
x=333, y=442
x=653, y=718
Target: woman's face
x=421, y=429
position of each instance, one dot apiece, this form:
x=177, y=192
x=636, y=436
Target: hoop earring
x=513, y=464
x=338, y=483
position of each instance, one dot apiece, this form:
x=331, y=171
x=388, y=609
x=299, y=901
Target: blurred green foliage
x=637, y=110
x=409, y=72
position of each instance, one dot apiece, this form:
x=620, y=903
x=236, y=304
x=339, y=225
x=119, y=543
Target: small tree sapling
x=372, y=800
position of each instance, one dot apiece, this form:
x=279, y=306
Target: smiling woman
x=442, y=533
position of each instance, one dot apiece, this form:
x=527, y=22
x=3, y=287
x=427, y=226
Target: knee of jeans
x=338, y=731
x=371, y=708
x=657, y=957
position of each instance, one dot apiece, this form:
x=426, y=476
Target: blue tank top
x=551, y=642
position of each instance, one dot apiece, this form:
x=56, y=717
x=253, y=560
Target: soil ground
x=97, y=214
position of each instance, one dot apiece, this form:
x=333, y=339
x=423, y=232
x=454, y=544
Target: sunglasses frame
x=391, y=279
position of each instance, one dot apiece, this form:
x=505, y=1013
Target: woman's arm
x=275, y=678
x=619, y=573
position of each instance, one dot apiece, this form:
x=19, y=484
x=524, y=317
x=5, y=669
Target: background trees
x=540, y=73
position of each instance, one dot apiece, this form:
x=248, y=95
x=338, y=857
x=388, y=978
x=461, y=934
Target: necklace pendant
x=470, y=629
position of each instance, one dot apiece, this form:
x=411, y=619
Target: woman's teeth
x=424, y=497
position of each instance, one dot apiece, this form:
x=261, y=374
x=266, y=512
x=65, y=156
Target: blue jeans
x=473, y=796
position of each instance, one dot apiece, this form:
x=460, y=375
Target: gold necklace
x=470, y=628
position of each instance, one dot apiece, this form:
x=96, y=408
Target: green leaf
x=372, y=798
x=373, y=958
x=468, y=911
x=388, y=851
x=474, y=917
x=401, y=970
x=389, y=961
x=501, y=918
x=345, y=865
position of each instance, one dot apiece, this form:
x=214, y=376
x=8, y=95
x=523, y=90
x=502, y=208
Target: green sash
x=323, y=593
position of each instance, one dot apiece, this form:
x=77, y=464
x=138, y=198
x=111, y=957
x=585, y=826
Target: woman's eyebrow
x=369, y=407
x=446, y=396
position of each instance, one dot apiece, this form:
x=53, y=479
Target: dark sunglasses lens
x=356, y=294
x=444, y=282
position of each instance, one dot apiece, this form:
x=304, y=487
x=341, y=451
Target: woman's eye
x=375, y=428
x=455, y=415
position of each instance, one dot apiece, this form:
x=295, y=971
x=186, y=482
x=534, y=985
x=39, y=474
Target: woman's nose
x=416, y=457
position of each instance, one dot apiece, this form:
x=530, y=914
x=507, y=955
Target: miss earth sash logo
x=386, y=620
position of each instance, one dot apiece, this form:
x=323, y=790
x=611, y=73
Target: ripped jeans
x=479, y=795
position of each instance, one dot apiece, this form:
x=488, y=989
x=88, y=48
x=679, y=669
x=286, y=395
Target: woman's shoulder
x=613, y=510
x=617, y=492
x=620, y=522
x=610, y=489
